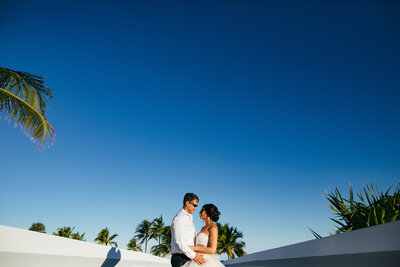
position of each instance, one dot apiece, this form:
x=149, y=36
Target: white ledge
x=373, y=246
x=20, y=247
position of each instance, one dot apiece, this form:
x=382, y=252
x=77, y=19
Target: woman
x=207, y=238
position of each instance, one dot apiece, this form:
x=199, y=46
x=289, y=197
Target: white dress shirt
x=183, y=234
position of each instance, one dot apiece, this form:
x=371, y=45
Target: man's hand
x=199, y=259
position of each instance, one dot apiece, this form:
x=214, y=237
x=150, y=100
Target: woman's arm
x=212, y=240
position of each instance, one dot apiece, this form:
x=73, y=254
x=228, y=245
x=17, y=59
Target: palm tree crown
x=142, y=233
x=156, y=229
x=104, y=238
x=38, y=227
x=133, y=245
x=228, y=241
x=24, y=99
x=77, y=236
x=164, y=247
x=66, y=231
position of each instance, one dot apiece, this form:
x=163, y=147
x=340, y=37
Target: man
x=183, y=233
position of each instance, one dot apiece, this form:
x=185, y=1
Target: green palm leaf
x=34, y=124
x=133, y=245
x=156, y=229
x=66, y=231
x=228, y=241
x=164, y=247
x=373, y=207
x=23, y=99
x=104, y=238
x=38, y=227
x=143, y=233
x=27, y=86
x=78, y=236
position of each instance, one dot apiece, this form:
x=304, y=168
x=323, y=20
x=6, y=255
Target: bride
x=207, y=238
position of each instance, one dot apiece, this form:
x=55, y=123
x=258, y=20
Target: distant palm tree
x=228, y=241
x=38, y=227
x=66, y=231
x=156, y=228
x=133, y=245
x=77, y=236
x=143, y=233
x=104, y=238
x=164, y=248
x=24, y=99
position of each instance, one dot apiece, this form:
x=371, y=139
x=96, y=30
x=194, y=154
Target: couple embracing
x=188, y=248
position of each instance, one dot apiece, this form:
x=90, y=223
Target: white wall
x=374, y=246
x=20, y=247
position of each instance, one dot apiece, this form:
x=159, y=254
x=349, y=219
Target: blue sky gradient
x=257, y=106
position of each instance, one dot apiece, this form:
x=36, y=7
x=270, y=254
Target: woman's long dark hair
x=211, y=211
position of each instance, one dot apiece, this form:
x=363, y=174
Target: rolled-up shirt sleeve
x=181, y=239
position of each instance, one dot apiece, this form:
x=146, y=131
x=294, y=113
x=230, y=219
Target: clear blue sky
x=256, y=106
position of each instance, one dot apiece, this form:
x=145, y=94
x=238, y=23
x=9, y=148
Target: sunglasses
x=194, y=205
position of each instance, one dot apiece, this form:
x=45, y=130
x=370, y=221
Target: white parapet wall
x=20, y=248
x=377, y=246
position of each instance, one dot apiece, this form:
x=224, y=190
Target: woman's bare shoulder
x=213, y=227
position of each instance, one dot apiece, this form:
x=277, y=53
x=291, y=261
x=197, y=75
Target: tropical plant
x=133, y=245
x=77, y=236
x=66, y=231
x=24, y=99
x=156, y=229
x=164, y=246
x=104, y=238
x=142, y=233
x=229, y=241
x=38, y=227
x=372, y=208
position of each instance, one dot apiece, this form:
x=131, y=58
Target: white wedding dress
x=212, y=259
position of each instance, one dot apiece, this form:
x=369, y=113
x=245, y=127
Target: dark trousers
x=178, y=260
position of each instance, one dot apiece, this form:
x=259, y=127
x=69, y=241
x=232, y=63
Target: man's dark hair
x=189, y=197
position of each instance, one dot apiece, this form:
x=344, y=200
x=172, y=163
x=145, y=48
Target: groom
x=183, y=233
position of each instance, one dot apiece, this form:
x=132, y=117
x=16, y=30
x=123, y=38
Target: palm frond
x=27, y=117
x=77, y=236
x=113, y=236
x=38, y=227
x=143, y=233
x=228, y=241
x=133, y=245
x=26, y=86
x=374, y=207
x=315, y=234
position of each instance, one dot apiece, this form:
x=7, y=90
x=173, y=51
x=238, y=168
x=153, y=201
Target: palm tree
x=143, y=233
x=66, y=231
x=24, y=99
x=104, y=238
x=156, y=228
x=132, y=245
x=164, y=247
x=228, y=241
x=77, y=236
x=38, y=227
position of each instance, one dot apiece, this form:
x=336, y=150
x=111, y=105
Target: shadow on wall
x=113, y=257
